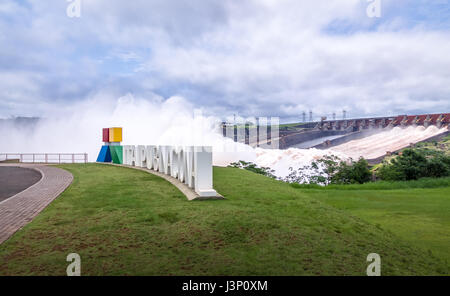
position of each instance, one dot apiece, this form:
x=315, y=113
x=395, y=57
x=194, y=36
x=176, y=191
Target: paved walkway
x=18, y=210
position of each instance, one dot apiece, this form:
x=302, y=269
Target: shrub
x=437, y=167
x=415, y=164
x=382, y=185
x=249, y=166
x=355, y=172
x=331, y=170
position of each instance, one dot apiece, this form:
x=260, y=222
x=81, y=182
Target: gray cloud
x=251, y=57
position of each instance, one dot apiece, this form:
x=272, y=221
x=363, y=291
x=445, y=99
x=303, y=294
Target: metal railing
x=45, y=157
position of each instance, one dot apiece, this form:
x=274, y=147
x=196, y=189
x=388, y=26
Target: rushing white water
x=390, y=140
x=282, y=160
x=370, y=147
x=77, y=128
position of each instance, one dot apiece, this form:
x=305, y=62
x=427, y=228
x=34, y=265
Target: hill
x=127, y=222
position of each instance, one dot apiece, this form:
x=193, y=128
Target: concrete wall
x=290, y=140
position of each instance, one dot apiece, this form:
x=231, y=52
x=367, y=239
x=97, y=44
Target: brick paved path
x=18, y=210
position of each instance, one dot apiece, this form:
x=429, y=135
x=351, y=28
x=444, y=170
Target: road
x=15, y=179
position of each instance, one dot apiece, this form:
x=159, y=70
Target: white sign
x=191, y=165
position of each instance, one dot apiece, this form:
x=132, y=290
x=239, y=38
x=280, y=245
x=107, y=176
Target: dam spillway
x=328, y=133
x=358, y=124
x=388, y=141
x=371, y=138
x=339, y=132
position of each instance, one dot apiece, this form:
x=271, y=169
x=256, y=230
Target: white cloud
x=252, y=57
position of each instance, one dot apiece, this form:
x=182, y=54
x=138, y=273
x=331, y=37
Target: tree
x=331, y=170
x=355, y=172
x=249, y=166
x=414, y=164
x=438, y=167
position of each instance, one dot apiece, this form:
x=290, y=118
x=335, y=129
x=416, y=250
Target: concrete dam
x=371, y=138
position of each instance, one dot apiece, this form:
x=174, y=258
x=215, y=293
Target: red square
x=106, y=135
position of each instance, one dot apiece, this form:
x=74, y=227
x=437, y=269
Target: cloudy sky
x=250, y=57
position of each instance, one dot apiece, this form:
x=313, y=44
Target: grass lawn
x=127, y=222
x=419, y=216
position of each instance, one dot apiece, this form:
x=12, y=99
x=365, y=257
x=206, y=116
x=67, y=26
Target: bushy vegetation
x=354, y=173
x=331, y=170
x=327, y=170
x=429, y=161
x=434, y=147
x=382, y=185
x=249, y=166
x=414, y=164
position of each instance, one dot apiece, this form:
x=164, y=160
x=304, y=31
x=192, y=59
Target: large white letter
x=141, y=156
x=128, y=154
x=173, y=160
x=182, y=164
x=203, y=175
x=164, y=159
x=156, y=158
x=150, y=155
x=189, y=164
x=133, y=155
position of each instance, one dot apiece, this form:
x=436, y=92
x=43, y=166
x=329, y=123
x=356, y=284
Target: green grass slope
x=381, y=185
x=419, y=216
x=127, y=222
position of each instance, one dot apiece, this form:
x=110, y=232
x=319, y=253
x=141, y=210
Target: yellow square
x=115, y=134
